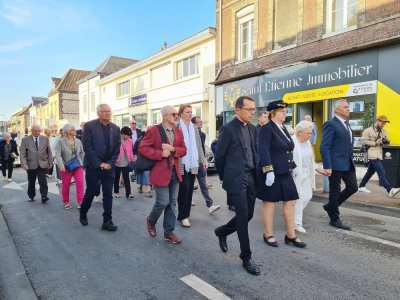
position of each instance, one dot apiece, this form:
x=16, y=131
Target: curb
x=364, y=206
x=14, y=282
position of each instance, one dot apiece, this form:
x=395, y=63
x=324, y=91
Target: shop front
x=137, y=109
x=365, y=79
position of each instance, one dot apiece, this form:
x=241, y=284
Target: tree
x=367, y=120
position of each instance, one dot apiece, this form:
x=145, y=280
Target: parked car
x=211, y=161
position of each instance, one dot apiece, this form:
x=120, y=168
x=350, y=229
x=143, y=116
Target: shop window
x=187, y=67
x=341, y=14
x=139, y=83
x=285, y=23
x=123, y=88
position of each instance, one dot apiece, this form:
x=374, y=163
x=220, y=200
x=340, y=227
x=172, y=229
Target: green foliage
x=368, y=119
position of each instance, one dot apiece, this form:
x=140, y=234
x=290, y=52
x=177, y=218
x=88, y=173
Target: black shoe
x=45, y=199
x=222, y=240
x=251, y=267
x=231, y=207
x=339, y=224
x=267, y=240
x=83, y=219
x=109, y=226
x=295, y=241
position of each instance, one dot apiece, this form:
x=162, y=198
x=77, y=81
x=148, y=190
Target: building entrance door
x=316, y=111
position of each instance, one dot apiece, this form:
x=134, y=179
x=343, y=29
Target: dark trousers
x=375, y=165
x=7, y=165
x=337, y=197
x=41, y=176
x=201, y=178
x=125, y=176
x=95, y=178
x=244, y=203
x=185, y=195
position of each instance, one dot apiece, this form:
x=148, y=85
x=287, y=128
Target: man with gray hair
x=164, y=143
x=101, y=144
x=36, y=159
x=337, y=157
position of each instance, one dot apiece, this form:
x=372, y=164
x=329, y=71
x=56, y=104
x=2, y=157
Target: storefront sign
x=349, y=75
x=138, y=100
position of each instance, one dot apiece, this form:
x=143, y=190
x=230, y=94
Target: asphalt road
x=64, y=260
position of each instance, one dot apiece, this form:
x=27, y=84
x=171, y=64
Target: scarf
x=191, y=159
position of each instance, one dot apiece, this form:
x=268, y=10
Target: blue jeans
x=166, y=202
x=95, y=177
x=375, y=165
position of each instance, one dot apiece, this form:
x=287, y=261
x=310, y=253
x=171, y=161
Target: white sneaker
x=48, y=176
x=185, y=223
x=300, y=229
x=97, y=199
x=9, y=180
x=5, y=179
x=393, y=192
x=193, y=203
x=213, y=208
x=364, y=190
x=59, y=181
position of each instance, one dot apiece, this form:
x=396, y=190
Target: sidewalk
x=377, y=201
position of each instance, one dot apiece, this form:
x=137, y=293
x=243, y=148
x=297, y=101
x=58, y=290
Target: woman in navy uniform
x=274, y=174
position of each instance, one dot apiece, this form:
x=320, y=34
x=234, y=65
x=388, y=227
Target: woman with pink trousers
x=69, y=148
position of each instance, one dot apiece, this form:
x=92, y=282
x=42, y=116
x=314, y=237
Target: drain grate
x=359, y=220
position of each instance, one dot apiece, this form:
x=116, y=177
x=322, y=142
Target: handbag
x=145, y=164
x=131, y=166
x=72, y=165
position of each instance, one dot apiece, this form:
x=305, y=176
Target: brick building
x=310, y=52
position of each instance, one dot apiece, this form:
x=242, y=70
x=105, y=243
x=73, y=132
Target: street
x=64, y=260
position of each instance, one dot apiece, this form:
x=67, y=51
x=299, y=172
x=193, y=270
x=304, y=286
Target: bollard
x=325, y=183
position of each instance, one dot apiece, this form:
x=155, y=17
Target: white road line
x=204, y=288
x=370, y=238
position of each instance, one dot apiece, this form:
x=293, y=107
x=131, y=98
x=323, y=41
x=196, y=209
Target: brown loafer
x=172, y=238
x=151, y=228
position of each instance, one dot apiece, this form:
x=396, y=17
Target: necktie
x=348, y=129
x=36, y=144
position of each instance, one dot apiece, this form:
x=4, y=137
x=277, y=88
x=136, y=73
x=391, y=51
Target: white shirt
x=346, y=126
x=280, y=126
x=38, y=140
x=134, y=136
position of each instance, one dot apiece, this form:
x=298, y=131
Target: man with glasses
x=101, y=143
x=236, y=160
x=374, y=138
x=165, y=175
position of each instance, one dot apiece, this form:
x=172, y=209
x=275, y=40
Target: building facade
x=89, y=91
x=309, y=53
x=177, y=74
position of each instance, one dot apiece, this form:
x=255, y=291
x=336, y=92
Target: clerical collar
x=242, y=123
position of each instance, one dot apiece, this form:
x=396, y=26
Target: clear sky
x=40, y=39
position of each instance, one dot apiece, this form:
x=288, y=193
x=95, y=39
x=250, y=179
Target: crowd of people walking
x=265, y=161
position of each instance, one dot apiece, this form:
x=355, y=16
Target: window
x=341, y=14
x=124, y=88
x=93, y=102
x=187, y=67
x=139, y=83
x=161, y=75
x=285, y=23
x=245, y=32
x=85, y=104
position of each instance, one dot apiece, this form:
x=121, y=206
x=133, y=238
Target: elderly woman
x=69, y=157
x=8, y=154
x=275, y=181
x=122, y=164
x=189, y=164
x=303, y=156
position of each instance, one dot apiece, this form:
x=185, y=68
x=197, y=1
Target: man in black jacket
x=236, y=161
x=101, y=143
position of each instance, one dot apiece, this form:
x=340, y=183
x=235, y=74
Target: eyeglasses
x=248, y=109
x=172, y=114
x=133, y=123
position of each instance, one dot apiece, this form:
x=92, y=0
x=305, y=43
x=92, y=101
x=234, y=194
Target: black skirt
x=283, y=188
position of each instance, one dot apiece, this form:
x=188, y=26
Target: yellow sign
x=317, y=94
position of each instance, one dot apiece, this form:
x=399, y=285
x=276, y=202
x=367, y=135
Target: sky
x=40, y=39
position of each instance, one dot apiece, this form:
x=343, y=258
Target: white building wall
x=86, y=88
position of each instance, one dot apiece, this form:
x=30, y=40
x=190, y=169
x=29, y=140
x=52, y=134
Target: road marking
x=13, y=185
x=204, y=288
x=370, y=238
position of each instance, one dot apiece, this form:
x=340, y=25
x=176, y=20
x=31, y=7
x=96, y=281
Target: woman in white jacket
x=303, y=156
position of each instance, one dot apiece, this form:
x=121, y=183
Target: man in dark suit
x=36, y=159
x=337, y=156
x=101, y=143
x=236, y=161
x=136, y=132
x=79, y=132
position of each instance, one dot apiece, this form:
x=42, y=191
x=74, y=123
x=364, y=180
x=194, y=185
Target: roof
x=23, y=110
x=68, y=81
x=37, y=100
x=111, y=65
